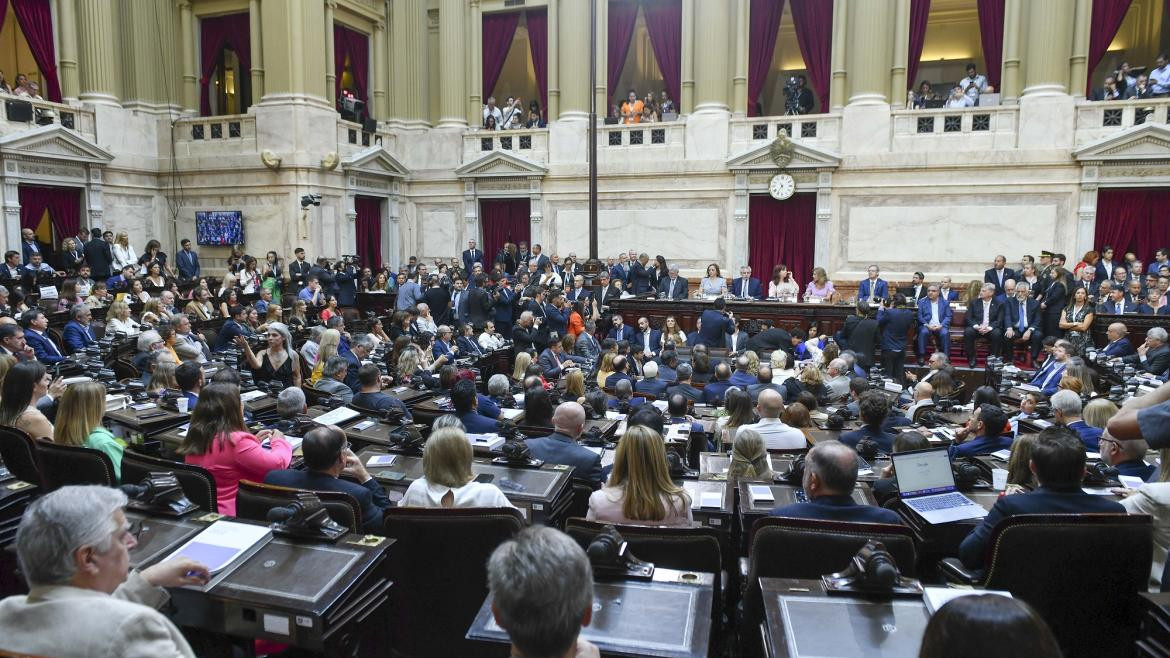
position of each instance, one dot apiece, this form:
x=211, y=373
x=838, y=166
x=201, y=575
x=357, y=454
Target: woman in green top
x=79, y=422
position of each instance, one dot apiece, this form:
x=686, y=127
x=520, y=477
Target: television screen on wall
x=218, y=228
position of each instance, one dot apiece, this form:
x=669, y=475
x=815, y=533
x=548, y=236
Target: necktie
x=670, y=290
x=1120, y=308
x=1023, y=317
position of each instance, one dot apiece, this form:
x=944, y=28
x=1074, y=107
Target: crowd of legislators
x=575, y=359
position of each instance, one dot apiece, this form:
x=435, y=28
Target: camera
x=792, y=96
x=310, y=200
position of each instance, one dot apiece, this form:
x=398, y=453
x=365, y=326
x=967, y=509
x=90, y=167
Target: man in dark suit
x=763, y=383
x=714, y=325
x=873, y=288
x=934, y=319
x=35, y=326
x=746, y=286
x=580, y=293
x=1128, y=457
x=650, y=383
x=503, y=298
x=444, y=345
x=672, y=286
x=327, y=458
x=873, y=407
x=523, y=255
x=683, y=387
x=620, y=331
x=741, y=377
x=770, y=339
x=466, y=342
x=998, y=274
x=232, y=328
x=1152, y=356
x=554, y=362
x=298, y=270
x=619, y=270
x=479, y=304
x=830, y=474
x=370, y=396
x=1021, y=322
x=1117, y=304
x=648, y=337
x=78, y=334
x=188, y=262
x=714, y=391
x=1109, y=91
x=99, y=254
x=466, y=403
x=561, y=446
x=345, y=284
x=29, y=245
x=472, y=256
x=896, y=323
x=1058, y=462
x=1118, y=345
x=528, y=335
x=640, y=275
x=984, y=321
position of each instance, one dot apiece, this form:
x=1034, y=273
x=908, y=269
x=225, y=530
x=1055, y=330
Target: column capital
x=380, y=25
x=331, y=4
x=183, y=4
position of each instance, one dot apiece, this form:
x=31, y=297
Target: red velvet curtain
x=356, y=46
x=3, y=11
x=991, y=14
x=664, y=23
x=537, y=20
x=764, y=25
x=503, y=220
x=1107, y=17
x=813, y=20
x=368, y=230
x=36, y=21
x=919, y=13
x=63, y=204
x=781, y=232
x=498, y=31
x=230, y=31
x=1133, y=219
x=622, y=15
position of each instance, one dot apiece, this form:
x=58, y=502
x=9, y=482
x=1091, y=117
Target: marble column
x=187, y=39
x=1047, y=46
x=739, y=80
x=256, y=51
x=554, y=79
x=1078, y=73
x=67, y=49
x=452, y=64
x=293, y=66
x=686, y=102
x=712, y=68
x=901, y=52
x=409, y=99
x=838, y=51
x=1009, y=85
x=474, y=64
x=330, y=60
x=869, y=52
x=99, y=67
x=379, y=72
x=573, y=59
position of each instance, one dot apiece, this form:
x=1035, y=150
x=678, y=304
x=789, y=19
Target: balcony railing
x=972, y=128
x=216, y=129
x=1097, y=120
x=352, y=139
x=819, y=129
x=528, y=143
x=48, y=113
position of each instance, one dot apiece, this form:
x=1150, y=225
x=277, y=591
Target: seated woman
x=227, y=300
x=713, y=285
x=411, y=370
x=278, y=362
x=639, y=490
x=605, y=369
x=820, y=288
x=218, y=440
x=330, y=344
x=749, y=458
x=740, y=411
x=447, y=478
x=79, y=422
x=523, y=360
x=163, y=377
x=574, y=386
x=68, y=296
x=538, y=407
x=330, y=309
x=780, y=370
x=25, y=383
x=296, y=318
x=118, y=320
x=809, y=380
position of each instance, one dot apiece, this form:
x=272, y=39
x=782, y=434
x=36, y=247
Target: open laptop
x=927, y=486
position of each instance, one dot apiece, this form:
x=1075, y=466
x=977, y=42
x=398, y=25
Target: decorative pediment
x=375, y=161
x=803, y=157
x=499, y=164
x=53, y=142
x=1148, y=142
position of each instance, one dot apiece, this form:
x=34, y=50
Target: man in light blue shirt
x=1160, y=77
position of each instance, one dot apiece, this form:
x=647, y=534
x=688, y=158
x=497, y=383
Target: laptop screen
x=923, y=472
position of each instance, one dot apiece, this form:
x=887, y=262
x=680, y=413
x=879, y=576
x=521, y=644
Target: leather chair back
x=124, y=369
x=254, y=499
x=1081, y=572
x=19, y=453
x=439, y=568
x=63, y=465
x=197, y=482
x=579, y=505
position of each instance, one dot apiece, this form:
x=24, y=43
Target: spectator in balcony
x=4, y=88
x=666, y=106
x=513, y=113
x=925, y=94
x=802, y=96
x=534, y=120
x=1124, y=78
x=1159, y=78
x=490, y=111
x=632, y=108
x=23, y=86
x=1140, y=88
x=648, y=115
x=974, y=84
x=958, y=99
x=1108, y=92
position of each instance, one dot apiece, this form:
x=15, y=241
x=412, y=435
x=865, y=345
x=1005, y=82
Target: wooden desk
x=146, y=423
x=751, y=510
x=715, y=517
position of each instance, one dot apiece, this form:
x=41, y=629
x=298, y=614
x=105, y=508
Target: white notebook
x=222, y=543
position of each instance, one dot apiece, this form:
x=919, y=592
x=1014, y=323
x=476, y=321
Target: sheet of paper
x=1131, y=481
x=712, y=499
x=1097, y=492
x=761, y=492
x=252, y=395
x=337, y=416
x=221, y=543
x=510, y=414
x=381, y=460
x=1004, y=454
x=937, y=597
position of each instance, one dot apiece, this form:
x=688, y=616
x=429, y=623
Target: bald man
x=1118, y=345
x=830, y=474
x=777, y=435
x=561, y=446
x=923, y=397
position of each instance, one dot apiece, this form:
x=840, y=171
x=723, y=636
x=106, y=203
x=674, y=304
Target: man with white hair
x=838, y=379
x=650, y=383
x=672, y=286
x=984, y=322
x=1066, y=410
x=1152, y=356
x=74, y=546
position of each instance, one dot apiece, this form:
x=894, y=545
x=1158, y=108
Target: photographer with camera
x=798, y=99
x=345, y=280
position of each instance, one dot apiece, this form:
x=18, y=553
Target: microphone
x=133, y=491
x=281, y=514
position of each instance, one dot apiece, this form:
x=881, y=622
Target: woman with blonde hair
x=749, y=458
x=753, y=361
x=79, y=421
x=574, y=386
x=6, y=362
x=1020, y=478
x=123, y=253
x=820, y=288
x=672, y=333
x=118, y=320
x=605, y=369
x=152, y=312
x=639, y=490
x=1098, y=412
x=410, y=368
x=447, y=477
x=523, y=360
x=330, y=343
x=163, y=377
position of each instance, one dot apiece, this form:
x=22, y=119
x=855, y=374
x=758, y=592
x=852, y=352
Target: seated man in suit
x=332, y=380
x=1058, y=462
x=990, y=423
x=36, y=334
x=984, y=321
x=1117, y=304
x=620, y=330
x=742, y=377
x=621, y=366
x=830, y=474
x=713, y=391
x=1022, y=322
x=466, y=342
x=934, y=320
x=466, y=404
x=189, y=377
x=1128, y=457
x=78, y=334
x=683, y=387
x=672, y=286
x=1066, y=411
x=650, y=383
x=647, y=337
x=1118, y=345
x=916, y=291
x=328, y=457
x=667, y=366
x=443, y=345
x=874, y=288
x=624, y=396
x=923, y=399
x=746, y=285
x=73, y=547
x=235, y=326
x=764, y=383
x=370, y=395
x=554, y=361
x=872, y=407
x=561, y=446
x=1047, y=378
x=1152, y=356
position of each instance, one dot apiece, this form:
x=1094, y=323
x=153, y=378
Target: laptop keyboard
x=944, y=501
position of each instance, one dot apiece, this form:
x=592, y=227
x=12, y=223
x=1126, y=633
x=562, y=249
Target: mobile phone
x=484, y=478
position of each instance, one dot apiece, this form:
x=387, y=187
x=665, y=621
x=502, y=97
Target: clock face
x=782, y=186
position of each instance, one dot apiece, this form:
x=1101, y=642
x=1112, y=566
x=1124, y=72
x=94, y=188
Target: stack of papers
x=761, y=493
x=491, y=441
x=223, y=543
x=511, y=414
x=708, y=499
x=1002, y=455
x=613, y=415
x=252, y=395
x=337, y=416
